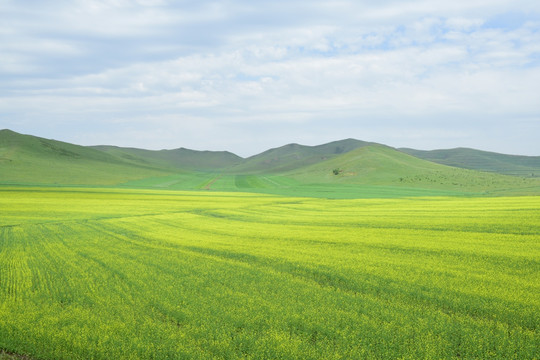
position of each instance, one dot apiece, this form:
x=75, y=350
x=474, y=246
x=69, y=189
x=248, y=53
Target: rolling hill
x=526, y=166
x=383, y=165
x=368, y=171
x=184, y=159
x=348, y=167
x=293, y=156
x=34, y=160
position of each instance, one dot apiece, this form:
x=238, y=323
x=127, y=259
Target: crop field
x=282, y=185
x=88, y=273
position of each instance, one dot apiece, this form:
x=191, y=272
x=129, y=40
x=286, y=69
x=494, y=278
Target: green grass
x=292, y=156
x=525, y=166
x=154, y=274
x=26, y=159
x=184, y=159
x=383, y=166
x=364, y=170
x=368, y=172
x=283, y=185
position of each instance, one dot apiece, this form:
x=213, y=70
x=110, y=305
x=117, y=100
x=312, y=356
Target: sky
x=246, y=76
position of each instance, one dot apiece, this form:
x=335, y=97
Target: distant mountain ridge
x=26, y=159
x=292, y=156
x=383, y=165
x=181, y=158
x=31, y=159
x=518, y=165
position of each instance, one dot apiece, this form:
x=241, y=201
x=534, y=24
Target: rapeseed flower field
x=147, y=274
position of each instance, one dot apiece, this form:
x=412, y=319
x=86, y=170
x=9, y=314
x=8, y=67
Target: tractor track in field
x=7, y=355
x=208, y=185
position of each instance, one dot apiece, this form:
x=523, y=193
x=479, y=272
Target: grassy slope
x=30, y=159
x=292, y=156
x=185, y=159
x=281, y=185
x=367, y=170
x=381, y=165
x=482, y=160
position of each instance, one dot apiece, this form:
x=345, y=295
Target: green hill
x=526, y=166
x=181, y=158
x=370, y=171
x=346, y=168
x=293, y=156
x=34, y=160
x=382, y=165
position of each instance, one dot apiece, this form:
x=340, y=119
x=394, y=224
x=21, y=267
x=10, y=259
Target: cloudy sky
x=245, y=76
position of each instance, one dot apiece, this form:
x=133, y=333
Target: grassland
x=26, y=159
x=525, y=166
x=382, y=165
x=284, y=185
x=184, y=159
x=363, y=169
x=156, y=274
x=293, y=156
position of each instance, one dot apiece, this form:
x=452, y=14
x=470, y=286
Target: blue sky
x=246, y=76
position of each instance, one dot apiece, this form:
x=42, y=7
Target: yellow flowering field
x=147, y=274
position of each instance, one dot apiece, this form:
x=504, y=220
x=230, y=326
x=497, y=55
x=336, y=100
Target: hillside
x=293, y=156
x=526, y=166
x=34, y=160
x=373, y=171
x=181, y=158
x=382, y=165
x=346, y=168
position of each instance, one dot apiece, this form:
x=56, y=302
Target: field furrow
x=145, y=274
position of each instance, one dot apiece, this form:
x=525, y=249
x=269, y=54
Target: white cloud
x=462, y=24
x=440, y=67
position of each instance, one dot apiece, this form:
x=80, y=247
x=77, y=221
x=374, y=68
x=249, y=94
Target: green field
x=364, y=170
x=281, y=185
x=525, y=166
x=157, y=274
